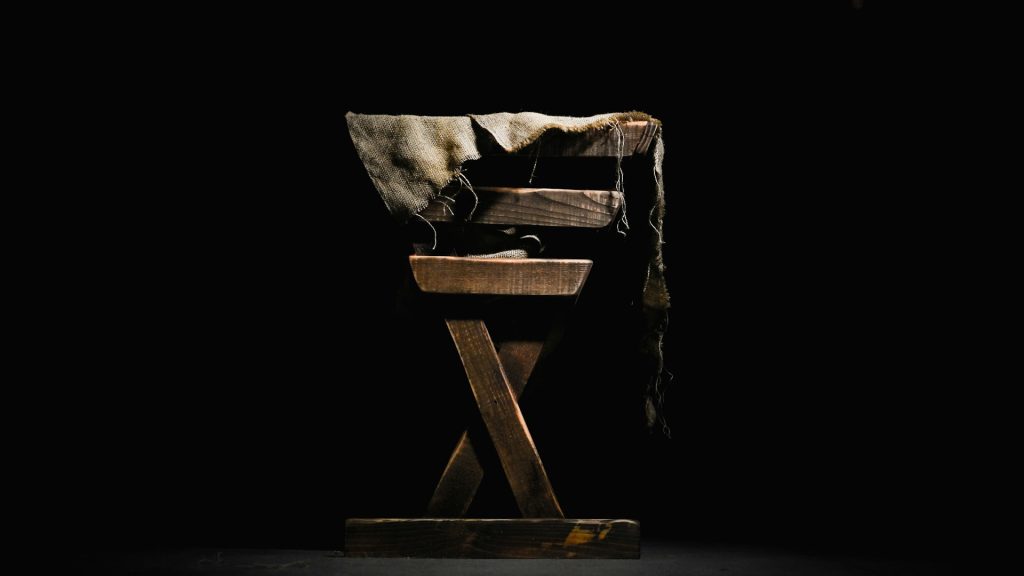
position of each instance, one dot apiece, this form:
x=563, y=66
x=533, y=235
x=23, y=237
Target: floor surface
x=658, y=558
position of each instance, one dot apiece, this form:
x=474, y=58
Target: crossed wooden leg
x=497, y=380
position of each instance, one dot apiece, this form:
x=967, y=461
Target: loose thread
x=434, y=230
x=534, y=237
x=650, y=216
x=618, y=156
x=445, y=205
x=665, y=428
x=463, y=181
x=536, y=158
x=619, y=178
x=624, y=221
x=650, y=221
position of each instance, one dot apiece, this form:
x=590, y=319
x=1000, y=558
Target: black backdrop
x=237, y=293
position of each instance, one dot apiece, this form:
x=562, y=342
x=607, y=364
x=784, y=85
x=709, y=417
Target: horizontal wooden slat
x=531, y=207
x=487, y=538
x=499, y=276
x=636, y=139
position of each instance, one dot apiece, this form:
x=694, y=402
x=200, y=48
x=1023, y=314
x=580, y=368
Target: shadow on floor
x=657, y=558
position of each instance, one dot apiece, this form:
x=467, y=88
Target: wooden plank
x=463, y=474
x=487, y=538
x=518, y=359
x=530, y=207
x=508, y=276
x=459, y=482
x=504, y=422
x=603, y=142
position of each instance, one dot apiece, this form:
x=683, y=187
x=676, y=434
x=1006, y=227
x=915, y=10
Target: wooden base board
x=491, y=538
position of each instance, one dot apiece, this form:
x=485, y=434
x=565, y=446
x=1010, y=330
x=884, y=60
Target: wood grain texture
x=510, y=276
x=459, y=482
x=486, y=538
x=603, y=142
x=463, y=474
x=530, y=207
x=518, y=359
x=505, y=424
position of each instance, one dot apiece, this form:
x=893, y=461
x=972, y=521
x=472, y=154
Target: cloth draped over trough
x=410, y=159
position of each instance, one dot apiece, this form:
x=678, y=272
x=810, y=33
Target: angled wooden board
x=499, y=276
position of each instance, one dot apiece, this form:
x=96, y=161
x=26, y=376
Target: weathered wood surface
x=530, y=207
x=463, y=474
x=636, y=139
x=508, y=276
x=518, y=359
x=505, y=424
x=486, y=538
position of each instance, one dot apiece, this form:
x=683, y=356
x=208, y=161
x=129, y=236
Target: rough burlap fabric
x=411, y=158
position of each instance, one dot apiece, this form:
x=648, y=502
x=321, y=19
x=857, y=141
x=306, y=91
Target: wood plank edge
x=453, y=280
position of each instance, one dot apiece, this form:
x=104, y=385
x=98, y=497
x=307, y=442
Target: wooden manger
x=498, y=372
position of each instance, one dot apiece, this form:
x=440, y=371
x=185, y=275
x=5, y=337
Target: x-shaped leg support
x=497, y=380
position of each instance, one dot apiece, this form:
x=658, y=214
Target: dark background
x=237, y=284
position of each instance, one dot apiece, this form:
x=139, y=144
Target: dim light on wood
x=499, y=276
